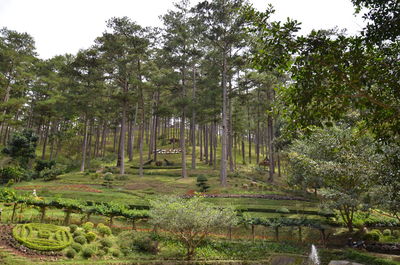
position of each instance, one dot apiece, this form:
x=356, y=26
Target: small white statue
x=34, y=193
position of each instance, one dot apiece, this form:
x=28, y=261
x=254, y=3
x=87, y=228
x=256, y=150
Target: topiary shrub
x=87, y=252
x=202, y=183
x=104, y=230
x=116, y=253
x=45, y=237
x=78, y=233
x=387, y=232
x=88, y=226
x=106, y=242
x=80, y=239
x=396, y=233
x=71, y=253
x=76, y=246
x=90, y=236
x=372, y=236
x=73, y=228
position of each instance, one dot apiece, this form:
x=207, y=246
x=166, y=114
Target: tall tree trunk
x=122, y=139
x=193, y=125
x=46, y=136
x=223, y=175
x=141, y=106
x=85, y=134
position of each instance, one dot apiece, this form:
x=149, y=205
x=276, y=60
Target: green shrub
x=387, y=232
x=71, y=253
x=43, y=164
x=106, y=242
x=11, y=173
x=372, y=236
x=78, y=233
x=90, y=236
x=80, y=239
x=87, y=252
x=76, y=246
x=396, y=233
x=145, y=243
x=101, y=253
x=72, y=228
x=104, y=230
x=88, y=226
x=116, y=253
x=202, y=183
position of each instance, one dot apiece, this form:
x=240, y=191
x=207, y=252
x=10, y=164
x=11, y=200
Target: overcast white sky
x=65, y=26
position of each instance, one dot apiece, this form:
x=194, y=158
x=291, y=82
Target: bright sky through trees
x=65, y=26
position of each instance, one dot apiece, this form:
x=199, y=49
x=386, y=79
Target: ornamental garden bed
x=71, y=187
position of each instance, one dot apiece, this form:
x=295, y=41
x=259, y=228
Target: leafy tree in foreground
x=341, y=162
x=22, y=147
x=190, y=220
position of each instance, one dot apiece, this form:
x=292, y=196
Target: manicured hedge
x=44, y=237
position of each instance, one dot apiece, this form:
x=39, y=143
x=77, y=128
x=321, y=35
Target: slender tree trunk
x=224, y=143
x=141, y=106
x=46, y=136
x=122, y=138
x=85, y=134
x=193, y=125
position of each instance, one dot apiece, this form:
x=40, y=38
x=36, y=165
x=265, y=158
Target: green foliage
x=49, y=174
x=22, y=147
x=372, y=236
x=144, y=243
x=80, y=239
x=190, y=220
x=339, y=160
x=116, y=253
x=202, y=183
x=396, y=234
x=76, y=246
x=88, y=252
x=88, y=226
x=387, y=232
x=44, y=237
x=43, y=164
x=11, y=173
x=73, y=228
x=108, y=180
x=78, y=233
x=90, y=236
x=106, y=242
x=71, y=253
x=104, y=230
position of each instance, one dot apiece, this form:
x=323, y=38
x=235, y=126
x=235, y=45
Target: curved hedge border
x=46, y=237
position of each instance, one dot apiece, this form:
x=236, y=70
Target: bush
x=80, y=239
x=106, y=242
x=145, y=243
x=73, y=228
x=87, y=252
x=372, y=236
x=71, y=253
x=88, y=226
x=202, y=183
x=101, y=253
x=104, y=230
x=116, y=253
x=10, y=173
x=90, y=236
x=49, y=174
x=387, y=232
x=396, y=233
x=76, y=246
x=43, y=164
x=78, y=233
